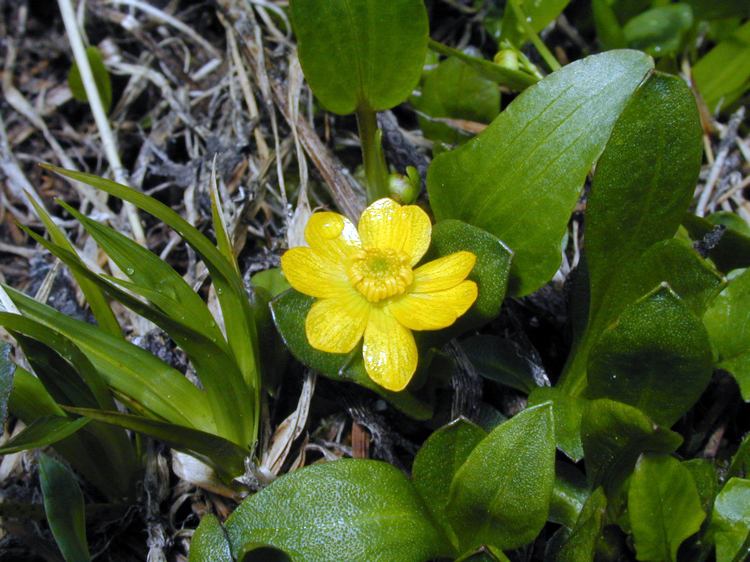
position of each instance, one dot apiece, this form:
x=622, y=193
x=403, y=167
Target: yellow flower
x=365, y=285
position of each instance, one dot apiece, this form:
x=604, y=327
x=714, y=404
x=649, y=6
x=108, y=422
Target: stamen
x=379, y=274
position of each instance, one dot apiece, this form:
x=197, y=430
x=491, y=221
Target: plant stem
x=376, y=170
x=534, y=38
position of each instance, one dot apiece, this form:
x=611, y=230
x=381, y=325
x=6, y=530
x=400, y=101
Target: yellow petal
x=443, y=273
x=433, y=311
x=307, y=272
x=336, y=325
x=387, y=225
x=332, y=236
x=390, y=352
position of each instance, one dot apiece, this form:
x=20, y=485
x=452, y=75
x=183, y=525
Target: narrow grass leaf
x=43, y=432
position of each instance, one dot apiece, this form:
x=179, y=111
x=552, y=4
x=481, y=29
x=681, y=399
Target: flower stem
x=376, y=170
x=533, y=37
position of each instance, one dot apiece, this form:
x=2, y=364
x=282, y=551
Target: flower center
x=379, y=274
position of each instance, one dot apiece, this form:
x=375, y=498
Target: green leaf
x=224, y=456
x=141, y=380
x=444, y=452
x=656, y=357
x=719, y=9
x=366, y=510
x=730, y=520
x=723, y=74
x=733, y=249
x=484, y=554
x=567, y=411
x=513, y=79
x=728, y=329
x=63, y=503
x=272, y=280
x=653, y=156
x=580, y=543
x=455, y=90
x=608, y=29
x=289, y=311
x=101, y=79
x=539, y=14
x=378, y=47
x=663, y=505
x=569, y=494
x=490, y=272
x=506, y=508
x=43, y=432
x=520, y=178
x=660, y=31
x=210, y=542
x=706, y=478
x=7, y=370
x=500, y=360
x=614, y=435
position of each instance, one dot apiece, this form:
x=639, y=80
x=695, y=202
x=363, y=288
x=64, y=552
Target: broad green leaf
x=63, y=503
x=520, y=178
x=580, y=543
x=706, y=478
x=661, y=30
x=567, y=411
x=235, y=306
x=484, y=554
x=500, y=360
x=97, y=302
x=144, y=382
x=43, y=432
x=357, y=510
x=272, y=280
x=490, y=272
x=723, y=74
x=289, y=311
x=656, y=357
x=455, y=90
x=728, y=328
x=653, y=157
x=210, y=542
x=733, y=249
x=224, y=456
x=740, y=465
x=7, y=370
x=444, y=452
x=730, y=520
x=539, y=14
x=361, y=54
x=608, y=29
x=513, y=79
x=614, y=435
x=101, y=78
x=569, y=493
x=501, y=495
x=664, y=507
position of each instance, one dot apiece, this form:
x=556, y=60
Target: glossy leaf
x=455, y=90
x=580, y=543
x=733, y=249
x=507, y=507
x=378, y=47
x=43, y=432
x=661, y=30
x=500, y=360
x=63, y=503
x=656, y=357
x=513, y=79
x=730, y=520
x=567, y=411
x=727, y=325
x=210, y=542
x=539, y=14
x=663, y=505
x=724, y=72
x=653, y=157
x=444, y=452
x=289, y=311
x=101, y=79
x=614, y=435
x=272, y=280
x=521, y=177
x=706, y=478
x=369, y=511
x=484, y=554
x=740, y=465
x=7, y=370
x=224, y=456
x=143, y=381
x=568, y=495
